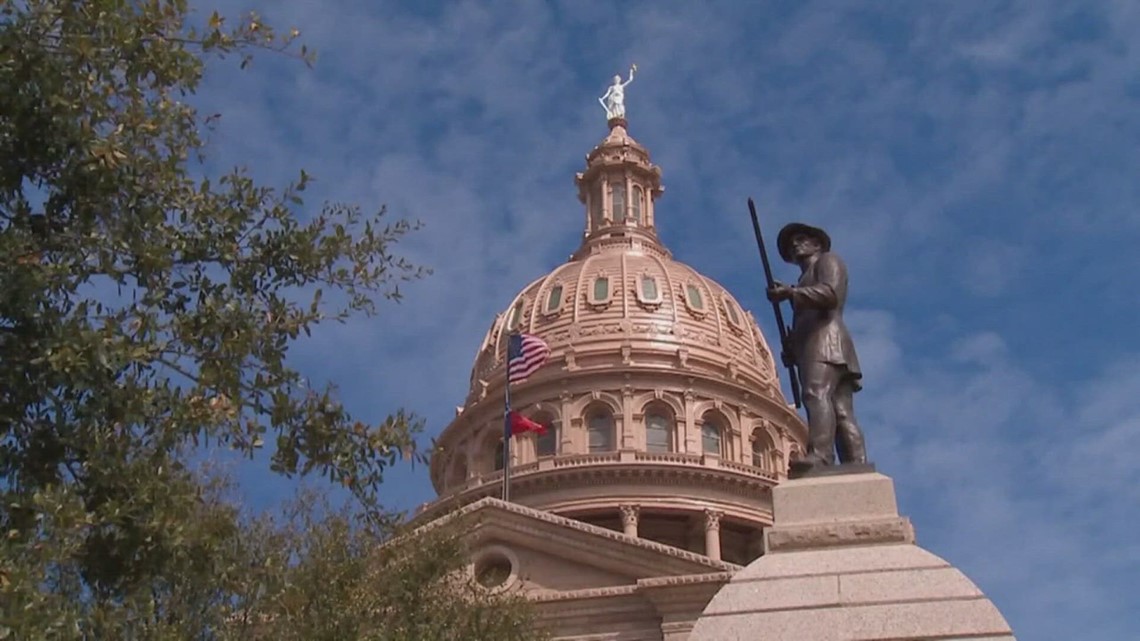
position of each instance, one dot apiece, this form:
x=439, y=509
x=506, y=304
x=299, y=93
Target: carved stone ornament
x=683, y=357
x=712, y=519
x=629, y=514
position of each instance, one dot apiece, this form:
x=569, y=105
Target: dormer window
x=733, y=314
x=599, y=295
x=516, y=316
x=693, y=297
x=554, y=299
x=648, y=292
x=618, y=195
x=733, y=317
x=601, y=289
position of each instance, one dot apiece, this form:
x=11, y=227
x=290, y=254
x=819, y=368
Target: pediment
x=551, y=553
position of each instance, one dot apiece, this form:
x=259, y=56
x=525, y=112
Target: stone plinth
x=840, y=564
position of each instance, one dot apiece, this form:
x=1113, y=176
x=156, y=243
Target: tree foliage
x=146, y=309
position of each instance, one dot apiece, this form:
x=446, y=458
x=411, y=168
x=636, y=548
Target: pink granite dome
x=659, y=392
x=663, y=313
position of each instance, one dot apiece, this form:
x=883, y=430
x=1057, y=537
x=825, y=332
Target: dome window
x=733, y=315
x=601, y=430
x=636, y=204
x=547, y=444
x=516, y=316
x=648, y=291
x=694, y=298
x=600, y=292
x=763, y=450
x=711, y=442
x=618, y=195
x=554, y=299
x=658, y=432
x=735, y=321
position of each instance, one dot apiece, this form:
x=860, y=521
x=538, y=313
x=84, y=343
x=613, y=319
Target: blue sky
x=975, y=163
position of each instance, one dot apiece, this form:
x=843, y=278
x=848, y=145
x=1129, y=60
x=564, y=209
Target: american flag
x=525, y=354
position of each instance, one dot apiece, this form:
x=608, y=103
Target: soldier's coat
x=818, y=331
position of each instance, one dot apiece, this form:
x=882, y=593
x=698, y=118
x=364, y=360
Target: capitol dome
x=666, y=419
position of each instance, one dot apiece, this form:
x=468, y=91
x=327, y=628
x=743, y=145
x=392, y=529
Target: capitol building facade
x=667, y=429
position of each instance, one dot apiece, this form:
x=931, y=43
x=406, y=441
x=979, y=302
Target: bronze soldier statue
x=820, y=347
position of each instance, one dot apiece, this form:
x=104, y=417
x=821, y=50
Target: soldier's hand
x=778, y=292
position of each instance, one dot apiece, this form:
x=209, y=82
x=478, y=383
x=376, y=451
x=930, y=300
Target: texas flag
x=521, y=424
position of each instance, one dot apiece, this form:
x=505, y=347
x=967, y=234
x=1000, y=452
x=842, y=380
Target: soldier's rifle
x=784, y=331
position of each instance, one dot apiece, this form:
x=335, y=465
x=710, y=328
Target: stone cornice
x=751, y=486
x=649, y=556
x=587, y=593
x=684, y=580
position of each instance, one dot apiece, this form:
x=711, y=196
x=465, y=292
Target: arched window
x=637, y=204
x=763, y=450
x=499, y=456
x=658, y=430
x=600, y=428
x=711, y=436
x=619, y=203
x=547, y=444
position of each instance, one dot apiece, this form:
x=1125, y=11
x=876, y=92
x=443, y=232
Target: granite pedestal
x=840, y=564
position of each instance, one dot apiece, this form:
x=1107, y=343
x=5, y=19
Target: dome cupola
x=619, y=188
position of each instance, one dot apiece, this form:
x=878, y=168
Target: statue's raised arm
x=614, y=99
x=632, y=69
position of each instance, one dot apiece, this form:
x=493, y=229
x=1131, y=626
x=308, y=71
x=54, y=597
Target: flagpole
x=507, y=428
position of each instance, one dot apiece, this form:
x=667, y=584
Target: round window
x=493, y=570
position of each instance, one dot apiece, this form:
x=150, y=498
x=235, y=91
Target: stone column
x=712, y=533
x=607, y=203
x=629, y=519
x=569, y=427
x=692, y=439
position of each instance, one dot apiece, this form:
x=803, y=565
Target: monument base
x=840, y=564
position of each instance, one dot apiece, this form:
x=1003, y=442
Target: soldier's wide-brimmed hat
x=784, y=239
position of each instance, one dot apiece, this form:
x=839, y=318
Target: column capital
x=712, y=519
x=629, y=513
